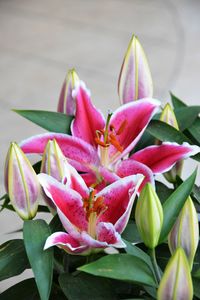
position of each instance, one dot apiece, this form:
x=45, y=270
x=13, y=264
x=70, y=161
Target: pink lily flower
x=100, y=147
x=93, y=221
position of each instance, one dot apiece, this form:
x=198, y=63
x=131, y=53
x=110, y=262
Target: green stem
x=155, y=265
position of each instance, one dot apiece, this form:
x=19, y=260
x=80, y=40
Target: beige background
x=41, y=39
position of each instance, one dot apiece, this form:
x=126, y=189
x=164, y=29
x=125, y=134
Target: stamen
x=122, y=127
x=115, y=142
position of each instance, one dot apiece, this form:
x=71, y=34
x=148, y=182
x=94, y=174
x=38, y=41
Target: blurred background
x=41, y=39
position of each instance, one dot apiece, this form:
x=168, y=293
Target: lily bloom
x=99, y=148
x=93, y=221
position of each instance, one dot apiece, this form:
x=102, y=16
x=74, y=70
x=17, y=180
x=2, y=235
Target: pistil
x=107, y=137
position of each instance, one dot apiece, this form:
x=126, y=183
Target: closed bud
x=53, y=161
x=185, y=232
x=53, y=164
x=21, y=183
x=135, y=80
x=67, y=103
x=149, y=216
x=168, y=116
x=176, y=282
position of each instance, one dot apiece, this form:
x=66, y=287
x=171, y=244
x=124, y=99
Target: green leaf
x=137, y=252
x=24, y=290
x=163, y=191
x=177, y=103
x=52, y=121
x=197, y=274
x=174, y=204
x=35, y=234
x=167, y=133
x=55, y=224
x=123, y=267
x=131, y=233
x=86, y=287
x=13, y=259
x=186, y=116
x=194, y=130
x=196, y=193
x=196, y=285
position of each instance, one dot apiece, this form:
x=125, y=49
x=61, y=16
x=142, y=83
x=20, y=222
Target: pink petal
x=163, y=157
x=86, y=239
x=106, y=233
x=66, y=242
x=135, y=116
x=108, y=175
x=68, y=201
x=129, y=167
x=91, y=180
x=75, y=181
x=116, y=198
x=81, y=154
x=87, y=119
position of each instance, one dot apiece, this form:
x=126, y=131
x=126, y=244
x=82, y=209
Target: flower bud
x=53, y=164
x=135, y=80
x=67, y=103
x=149, y=216
x=185, y=232
x=21, y=183
x=53, y=161
x=176, y=282
x=168, y=116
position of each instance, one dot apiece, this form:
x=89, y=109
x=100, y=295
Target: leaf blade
x=174, y=203
x=51, y=121
x=123, y=267
x=35, y=234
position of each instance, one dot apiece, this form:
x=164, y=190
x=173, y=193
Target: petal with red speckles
x=87, y=119
x=129, y=167
x=133, y=118
x=117, y=197
x=80, y=154
x=163, y=157
x=106, y=232
x=67, y=201
x=66, y=242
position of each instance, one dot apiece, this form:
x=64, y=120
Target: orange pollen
x=105, y=138
x=92, y=205
x=122, y=127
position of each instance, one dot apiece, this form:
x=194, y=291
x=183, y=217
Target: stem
x=155, y=265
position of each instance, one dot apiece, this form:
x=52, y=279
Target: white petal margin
x=66, y=242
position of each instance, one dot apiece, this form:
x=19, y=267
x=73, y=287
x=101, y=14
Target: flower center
x=94, y=207
x=109, y=136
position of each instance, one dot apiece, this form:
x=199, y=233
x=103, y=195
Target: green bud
x=168, y=116
x=149, y=216
x=176, y=283
x=185, y=232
